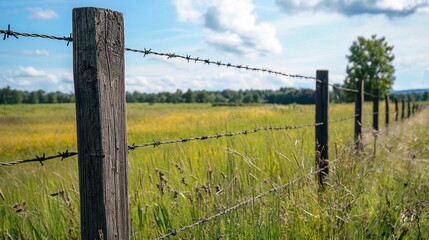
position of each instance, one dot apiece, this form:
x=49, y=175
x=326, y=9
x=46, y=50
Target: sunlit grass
x=175, y=185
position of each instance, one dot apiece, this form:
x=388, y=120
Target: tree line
x=285, y=95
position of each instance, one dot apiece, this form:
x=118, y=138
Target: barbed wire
x=7, y=33
x=343, y=88
x=344, y=118
x=370, y=94
x=217, y=136
x=245, y=202
x=217, y=63
x=41, y=159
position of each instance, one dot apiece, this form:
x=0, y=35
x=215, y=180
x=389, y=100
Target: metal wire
x=370, y=94
x=245, y=202
x=344, y=119
x=217, y=136
x=217, y=63
x=343, y=88
x=62, y=155
x=9, y=32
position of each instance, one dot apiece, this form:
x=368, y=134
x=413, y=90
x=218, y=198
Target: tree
x=370, y=60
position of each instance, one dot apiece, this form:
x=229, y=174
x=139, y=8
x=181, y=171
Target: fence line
x=217, y=63
x=7, y=33
x=67, y=154
x=249, y=200
x=62, y=155
x=217, y=136
x=81, y=35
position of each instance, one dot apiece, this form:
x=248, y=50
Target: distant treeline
x=281, y=96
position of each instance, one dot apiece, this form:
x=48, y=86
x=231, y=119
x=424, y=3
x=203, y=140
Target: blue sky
x=291, y=36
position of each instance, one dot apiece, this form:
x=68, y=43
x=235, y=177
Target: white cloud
x=31, y=78
x=231, y=26
x=391, y=8
x=186, y=11
x=42, y=14
x=36, y=52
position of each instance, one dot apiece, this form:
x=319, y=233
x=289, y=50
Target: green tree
x=370, y=60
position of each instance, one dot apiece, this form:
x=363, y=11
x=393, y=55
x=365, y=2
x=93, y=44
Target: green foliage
x=370, y=60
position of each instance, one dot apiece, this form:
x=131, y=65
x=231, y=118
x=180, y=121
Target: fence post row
x=387, y=101
x=322, y=116
x=375, y=108
x=359, y=99
x=98, y=67
x=403, y=109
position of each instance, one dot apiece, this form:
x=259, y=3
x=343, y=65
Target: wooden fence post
x=409, y=108
x=359, y=99
x=403, y=109
x=375, y=108
x=322, y=116
x=396, y=109
x=98, y=67
x=387, y=100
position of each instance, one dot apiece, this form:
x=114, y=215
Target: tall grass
x=170, y=186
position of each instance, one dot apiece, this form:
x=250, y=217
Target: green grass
x=174, y=185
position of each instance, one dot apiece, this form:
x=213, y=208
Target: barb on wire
x=41, y=159
x=9, y=32
x=217, y=63
x=343, y=88
x=240, y=204
x=344, y=119
x=155, y=143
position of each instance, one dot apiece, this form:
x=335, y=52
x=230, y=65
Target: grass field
x=381, y=197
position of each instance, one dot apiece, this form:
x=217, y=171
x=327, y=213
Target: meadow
x=381, y=196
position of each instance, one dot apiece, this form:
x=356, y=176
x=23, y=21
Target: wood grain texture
x=98, y=67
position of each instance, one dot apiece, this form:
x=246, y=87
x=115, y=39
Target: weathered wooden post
x=359, y=99
x=387, y=101
x=403, y=109
x=375, y=108
x=409, y=107
x=98, y=67
x=322, y=116
x=396, y=109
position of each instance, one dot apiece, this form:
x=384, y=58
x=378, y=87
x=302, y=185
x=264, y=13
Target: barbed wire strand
x=249, y=200
x=343, y=88
x=217, y=63
x=7, y=33
x=370, y=94
x=217, y=136
x=344, y=119
x=43, y=158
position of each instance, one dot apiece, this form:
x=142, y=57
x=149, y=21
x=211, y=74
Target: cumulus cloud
x=390, y=8
x=31, y=78
x=186, y=11
x=42, y=14
x=36, y=52
x=231, y=26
